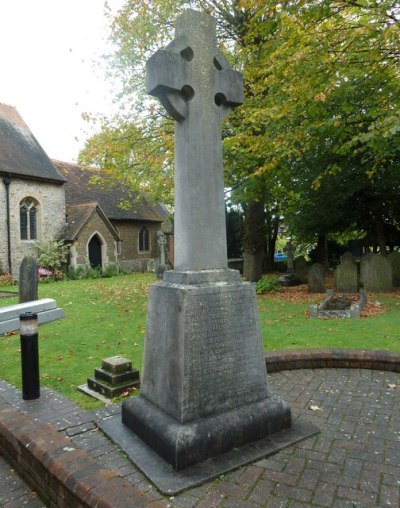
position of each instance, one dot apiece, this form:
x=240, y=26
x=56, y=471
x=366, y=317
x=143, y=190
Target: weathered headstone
x=347, y=256
x=316, y=279
x=301, y=268
x=162, y=243
x=363, y=262
x=394, y=260
x=204, y=385
x=346, y=277
x=28, y=280
x=376, y=273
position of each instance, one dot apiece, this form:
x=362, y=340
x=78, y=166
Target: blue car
x=279, y=256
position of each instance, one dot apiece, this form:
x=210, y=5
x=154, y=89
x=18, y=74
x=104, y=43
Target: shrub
x=52, y=254
x=111, y=270
x=59, y=275
x=93, y=273
x=6, y=279
x=76, y=273
x=267, y=286
x=44, y=274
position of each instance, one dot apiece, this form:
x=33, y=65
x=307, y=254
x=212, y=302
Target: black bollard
x=29, y=356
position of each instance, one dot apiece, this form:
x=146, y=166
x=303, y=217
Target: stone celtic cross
x=195, y=84
x=204, y=390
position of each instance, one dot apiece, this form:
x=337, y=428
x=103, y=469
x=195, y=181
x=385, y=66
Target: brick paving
x=14, y=492
x=353, y=462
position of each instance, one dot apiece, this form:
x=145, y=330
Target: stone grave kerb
x=194, y=82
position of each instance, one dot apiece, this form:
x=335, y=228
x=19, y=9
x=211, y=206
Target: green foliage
x=136, y=154
x=76, y=273
x=267, y=285
x=323, y=89
x=111, y=270
x=318, y=137
x=52, y=254
x=80, y=272
x=94, y=273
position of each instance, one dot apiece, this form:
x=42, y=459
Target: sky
x=48, y=70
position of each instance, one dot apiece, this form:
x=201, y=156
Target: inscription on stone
x=225, y=359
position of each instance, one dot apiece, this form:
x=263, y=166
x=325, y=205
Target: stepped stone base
x=110, y=391
x=171, y=481
x=113, y=378
x=182, y=445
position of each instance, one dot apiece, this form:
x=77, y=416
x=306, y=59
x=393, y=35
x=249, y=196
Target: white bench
x=46, y=310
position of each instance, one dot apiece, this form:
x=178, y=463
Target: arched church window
x=144, y=239
x=28, y=219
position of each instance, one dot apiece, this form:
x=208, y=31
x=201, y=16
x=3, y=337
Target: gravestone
x=204, y=385
x=316, y=279
x=346, y=277
x=376, y=273
x=28, y=280
x=363, y=262
x=347, y=256
x=301, y=268
x=162, y=243
x=394, y=260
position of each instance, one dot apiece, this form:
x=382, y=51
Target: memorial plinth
x=204, y=384
x=204, y=392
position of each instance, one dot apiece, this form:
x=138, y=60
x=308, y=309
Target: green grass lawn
x=106, y=317
x=284, y=325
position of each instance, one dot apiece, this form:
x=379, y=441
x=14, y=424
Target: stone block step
x=108, y=390
x=114, y=379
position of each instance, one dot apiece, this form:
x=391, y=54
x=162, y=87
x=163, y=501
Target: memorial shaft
x=195, y=84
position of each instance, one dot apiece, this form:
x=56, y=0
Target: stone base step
x=114, y=379
x=109, y=390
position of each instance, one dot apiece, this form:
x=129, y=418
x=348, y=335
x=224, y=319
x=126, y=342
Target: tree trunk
x=322, y=251
x=272, y=227
x=252, y=266
x=380, y=237
x=290, y=258
x=253, y=240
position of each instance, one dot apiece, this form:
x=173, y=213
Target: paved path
x=14, y=493
x=353, y=462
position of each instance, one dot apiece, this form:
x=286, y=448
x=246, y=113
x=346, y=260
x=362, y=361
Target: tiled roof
x=79, y=189
x=78, y=216
x=20, y=152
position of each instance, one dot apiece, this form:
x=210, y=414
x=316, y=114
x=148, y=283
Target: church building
x=42, y=199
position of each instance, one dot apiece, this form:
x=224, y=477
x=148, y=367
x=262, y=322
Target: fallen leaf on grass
x=128, y=391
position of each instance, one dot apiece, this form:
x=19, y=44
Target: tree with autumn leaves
x=316, y=143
